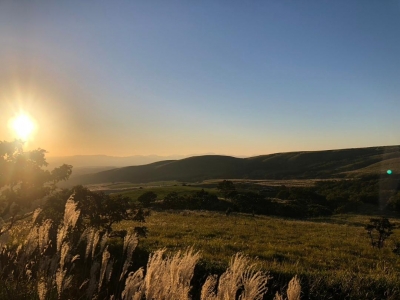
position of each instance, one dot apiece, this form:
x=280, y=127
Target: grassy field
x=163, y=188
x=272, y=182
x=331, y=255
x=163, y=191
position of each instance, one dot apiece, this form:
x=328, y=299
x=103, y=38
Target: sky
x=238, y=78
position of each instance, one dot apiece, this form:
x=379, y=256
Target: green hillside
x=292, y=165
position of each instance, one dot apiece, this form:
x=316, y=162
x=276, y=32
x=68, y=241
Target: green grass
x=163, y=191
x=147, y=184
x=379, y=168
x=336, y=250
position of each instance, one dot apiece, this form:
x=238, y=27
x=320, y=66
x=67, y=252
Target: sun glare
x=23, y=126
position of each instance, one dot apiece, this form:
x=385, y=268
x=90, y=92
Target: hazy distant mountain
x=292, y=165
x=85, y=161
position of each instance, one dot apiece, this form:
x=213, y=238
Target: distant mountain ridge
x=291, y=165
x=88, y=161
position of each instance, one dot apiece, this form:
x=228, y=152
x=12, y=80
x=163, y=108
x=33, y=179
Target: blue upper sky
x=192, y=77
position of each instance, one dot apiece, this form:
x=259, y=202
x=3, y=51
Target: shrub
x=379, y=230
x=147, y=198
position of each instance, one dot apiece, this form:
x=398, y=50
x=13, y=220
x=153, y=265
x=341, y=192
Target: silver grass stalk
x=254, y=284
x=89, y=234
x=96, y=239
x=61, y=235
x=19, y=249
x=75, y=258
x=130, y=243
x=71, y=216
x=103, y=242
x=133, y=286
x=104, y=263
x=71, y=213
x=169, y=278
x=84, y=283
x=42, y=288
x=84, y=234
x=241, y=274
x=65, y=256
x=92, y=237
x=208, y=288
x=230, y=281
x=93, y=281
x=278, y=296
x=181, y=272
x=155, y=269
x=44, y=234
x=60, y=281
x=294, y=289
x=63, y=281
x=31, y=242
x=109, y=270
x=35, y=214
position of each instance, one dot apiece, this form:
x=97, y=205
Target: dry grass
x=60, y=267
x=331, y=256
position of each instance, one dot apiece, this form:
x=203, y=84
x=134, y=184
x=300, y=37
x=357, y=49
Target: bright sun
x=23, y=126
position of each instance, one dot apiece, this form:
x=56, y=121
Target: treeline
x=323, y=199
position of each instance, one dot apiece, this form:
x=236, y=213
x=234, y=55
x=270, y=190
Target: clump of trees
x=227, y=188
x=147, y=199
x=323, y=199
x=24, y=179
x=197, y=200
x=98, y=209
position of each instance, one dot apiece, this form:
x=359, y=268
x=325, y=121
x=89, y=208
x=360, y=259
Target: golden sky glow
x=23, y=125
x=187, y=79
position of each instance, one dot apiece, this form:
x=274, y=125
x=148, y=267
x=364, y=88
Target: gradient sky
x=189, y=77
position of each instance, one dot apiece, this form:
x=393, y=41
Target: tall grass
x=73, y=262
x=332, y=256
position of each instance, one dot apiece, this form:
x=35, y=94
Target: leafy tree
x=248, y=201
x=203, y=199
x=139, y=216
x=173, y=200
x=97, y=209
x=147, y=198
x=379, y=229
x=226, y=187
x=24, y=179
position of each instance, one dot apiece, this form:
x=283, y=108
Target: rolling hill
x=291, y=165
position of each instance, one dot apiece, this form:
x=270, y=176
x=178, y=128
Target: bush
x=147, y=198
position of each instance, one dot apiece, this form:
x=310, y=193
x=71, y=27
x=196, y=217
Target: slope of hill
x=312, y=164
x=89, y=161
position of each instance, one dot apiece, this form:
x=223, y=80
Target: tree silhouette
x=379, y=230
x=147, y=198
x=226, y=187
x=24, y=179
